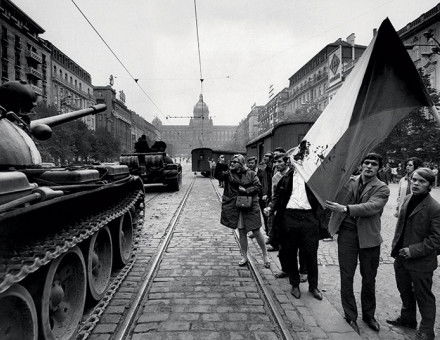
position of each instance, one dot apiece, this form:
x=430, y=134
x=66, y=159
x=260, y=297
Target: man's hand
x=267, y=211
x=264, y=198
x=336, y=207
x=405, y=253
x=242, y=190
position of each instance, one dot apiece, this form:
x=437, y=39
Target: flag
x=381, y=90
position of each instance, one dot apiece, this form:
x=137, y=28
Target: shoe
x=251, y=235
x=316, y=293
x=243, y=262
x=280, y=275
x=296, y=292
x=302, y=277
x=353, y=324
x=423, y=336
x=271, y=248
x=403, y=323
x=372, y=323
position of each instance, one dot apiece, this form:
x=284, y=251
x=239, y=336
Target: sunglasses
x=371, y=163
x=233, y=162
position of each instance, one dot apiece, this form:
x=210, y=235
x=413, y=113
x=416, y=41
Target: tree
x=416, y=135
x=105, y=147
x=74, y=141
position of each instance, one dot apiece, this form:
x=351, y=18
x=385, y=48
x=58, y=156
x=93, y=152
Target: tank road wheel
x=64, y=294
x=99, y=255
x=122, y=239
x=18, y=316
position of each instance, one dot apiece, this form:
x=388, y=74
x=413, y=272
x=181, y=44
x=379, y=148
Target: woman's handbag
x=243, y=202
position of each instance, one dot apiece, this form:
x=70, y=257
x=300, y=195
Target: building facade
x=71, y=85
x=201, y=132
x=274, y=111
x=139, y=127
x=253, y=120
x=23, y=54
x=116, y=119
x=315, y=84
x=420, y=36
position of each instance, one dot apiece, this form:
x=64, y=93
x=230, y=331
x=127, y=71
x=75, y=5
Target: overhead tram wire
x=200, y=65
x=117, y=58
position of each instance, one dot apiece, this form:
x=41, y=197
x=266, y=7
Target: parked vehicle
x=286, y=135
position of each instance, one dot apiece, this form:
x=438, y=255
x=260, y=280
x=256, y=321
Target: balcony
x=34, y=73
x=34, y=56
x=37, y=90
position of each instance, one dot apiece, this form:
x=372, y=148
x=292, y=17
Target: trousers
x=415, y=288
x=348, y=254
x=300, y=230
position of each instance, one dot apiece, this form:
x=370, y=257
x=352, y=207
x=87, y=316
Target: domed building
x=201, y=132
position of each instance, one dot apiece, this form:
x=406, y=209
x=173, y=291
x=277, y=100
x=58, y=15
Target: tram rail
x=93, y=318
x=125, y=327
x=267, y=296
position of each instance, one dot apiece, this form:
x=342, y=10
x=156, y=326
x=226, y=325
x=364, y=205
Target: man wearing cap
x=356, y=219
x=297, y=210
x=415, y=247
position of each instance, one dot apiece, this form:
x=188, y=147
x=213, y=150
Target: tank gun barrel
x=69, y=116
x=40, y=128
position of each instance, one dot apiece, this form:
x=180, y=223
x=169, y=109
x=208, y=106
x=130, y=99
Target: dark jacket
x=281, y=197
x=266, y=181
x=283, y=192
x=367, y=212
x=230, y=213
x=422, y=234
x=219, y=168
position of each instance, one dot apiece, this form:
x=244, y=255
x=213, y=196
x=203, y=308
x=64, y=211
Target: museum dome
x=201, y=109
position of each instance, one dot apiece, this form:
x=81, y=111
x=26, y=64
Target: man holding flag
x=381, y=90
x=356, y=219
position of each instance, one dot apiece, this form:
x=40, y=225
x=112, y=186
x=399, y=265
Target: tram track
x=126, y=325
x=267, y=296
x=93, y=316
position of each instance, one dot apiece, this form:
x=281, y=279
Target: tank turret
x=17, y=149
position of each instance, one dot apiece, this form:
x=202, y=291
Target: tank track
x=28, y=258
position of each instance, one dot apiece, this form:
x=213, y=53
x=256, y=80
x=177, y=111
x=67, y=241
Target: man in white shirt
x=297, y=210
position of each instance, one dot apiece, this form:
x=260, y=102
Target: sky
x=245, y=46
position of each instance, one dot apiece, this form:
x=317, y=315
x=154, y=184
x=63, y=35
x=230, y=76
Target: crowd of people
x=273, y=195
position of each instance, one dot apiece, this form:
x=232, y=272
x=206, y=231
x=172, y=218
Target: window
x=65, y=77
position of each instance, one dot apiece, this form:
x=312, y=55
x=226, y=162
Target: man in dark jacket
x=220, y=167
x=356, y=219
x=298, y=212
x=415, y=247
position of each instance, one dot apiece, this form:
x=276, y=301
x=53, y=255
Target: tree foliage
x=416, y=135
x=74, y=142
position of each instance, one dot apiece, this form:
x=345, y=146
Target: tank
x=64, y=232
x=153, y=165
